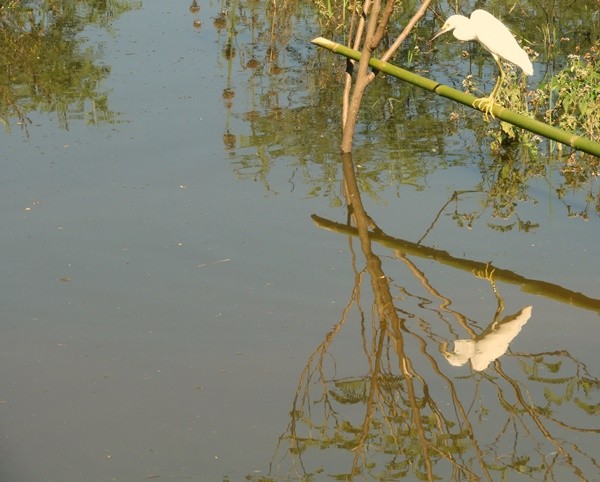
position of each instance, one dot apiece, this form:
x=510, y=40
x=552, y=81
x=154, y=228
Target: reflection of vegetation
x=506, y=187
x=290, y=111
x=406, y=412
x=528, y=415
x=45, y=67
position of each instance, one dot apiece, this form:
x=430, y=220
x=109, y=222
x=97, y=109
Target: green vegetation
x=574, y=95
x=403, y=134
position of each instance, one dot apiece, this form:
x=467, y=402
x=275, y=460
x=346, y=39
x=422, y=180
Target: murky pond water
x=183, y=299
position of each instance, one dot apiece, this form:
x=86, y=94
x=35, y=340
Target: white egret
x=493, y=35
x=490, y=345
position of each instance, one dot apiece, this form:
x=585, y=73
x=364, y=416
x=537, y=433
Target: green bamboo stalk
x=532, y=125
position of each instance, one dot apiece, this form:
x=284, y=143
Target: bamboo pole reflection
x=539, y=287
x=410, y=414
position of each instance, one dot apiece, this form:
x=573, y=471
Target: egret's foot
x=485, y=273
x=485, y=104
x=488, y=274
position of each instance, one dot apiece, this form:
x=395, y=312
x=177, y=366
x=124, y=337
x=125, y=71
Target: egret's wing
x=495, y=343
x=498, y=40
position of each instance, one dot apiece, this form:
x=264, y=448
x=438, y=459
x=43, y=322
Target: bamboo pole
x=532, y=125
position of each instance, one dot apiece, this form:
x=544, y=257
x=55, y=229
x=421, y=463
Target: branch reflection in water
x=413, y=416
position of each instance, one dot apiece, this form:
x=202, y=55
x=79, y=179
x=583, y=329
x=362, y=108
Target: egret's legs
x=486, y=104
x=488, y=274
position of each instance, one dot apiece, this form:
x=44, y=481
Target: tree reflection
x=410, y=414
x=46, y=66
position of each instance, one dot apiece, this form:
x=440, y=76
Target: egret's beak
x=444, y=29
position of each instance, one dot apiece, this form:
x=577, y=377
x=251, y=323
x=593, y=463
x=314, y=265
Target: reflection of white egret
x=493, y=35
x=491, y=344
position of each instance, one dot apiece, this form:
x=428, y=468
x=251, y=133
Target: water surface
x=172, y=309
